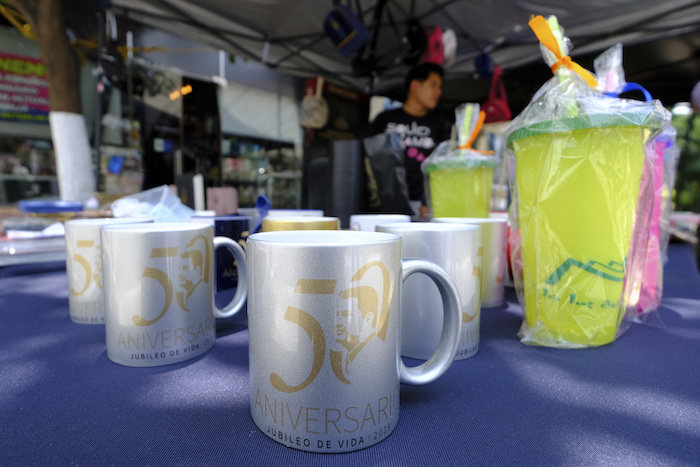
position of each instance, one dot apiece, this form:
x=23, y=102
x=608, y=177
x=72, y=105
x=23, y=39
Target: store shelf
x=238, y=181
x=289, y=175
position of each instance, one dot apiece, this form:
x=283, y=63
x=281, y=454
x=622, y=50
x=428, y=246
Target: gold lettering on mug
x=309, y=419
x=88, y=273
x=476, y=271
x=85, y=264
x=162, y=278
x=348, y=417
x=291, y=420
x=193, y=270
x=309, y=324
x=329, y=420
x=372, y=317
x=242, y=241
x=334, y=420
x=167, y=338
x=269, y=406
x=368, y=410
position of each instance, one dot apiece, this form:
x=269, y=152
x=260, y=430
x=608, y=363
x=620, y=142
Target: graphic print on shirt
x=416, y=139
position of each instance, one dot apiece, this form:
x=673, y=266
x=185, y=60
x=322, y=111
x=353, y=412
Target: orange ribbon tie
x=475, y=133
x=546, y=37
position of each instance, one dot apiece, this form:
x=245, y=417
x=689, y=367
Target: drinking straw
x=470, y=130
x=549, y=34
x=475, y=132
x=571, y=107
x=465, y=133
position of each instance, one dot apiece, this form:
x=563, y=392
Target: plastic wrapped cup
x=461, y=187
x=578, y=183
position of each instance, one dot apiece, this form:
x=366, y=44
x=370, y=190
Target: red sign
x=24, y=93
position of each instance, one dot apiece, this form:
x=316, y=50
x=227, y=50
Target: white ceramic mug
x=495, y=237
x=455, y=248
x=159, y=291
x=236, y=228
x=324, y=314
x=84, y=267
x=368, y=222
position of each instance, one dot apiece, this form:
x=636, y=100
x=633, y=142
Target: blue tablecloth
x=633, y=402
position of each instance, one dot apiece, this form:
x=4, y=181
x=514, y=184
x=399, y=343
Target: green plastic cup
x=578, y=183
x=461, y=187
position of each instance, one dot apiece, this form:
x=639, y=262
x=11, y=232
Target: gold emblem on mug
x=194, y=265
x=476, y=271
x=87, y=265
x=368, y=318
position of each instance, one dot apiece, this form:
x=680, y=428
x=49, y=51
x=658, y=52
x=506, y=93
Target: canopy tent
x=288, y=35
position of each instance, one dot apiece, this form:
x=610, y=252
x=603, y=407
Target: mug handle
x=446, y=350
x=239, y=299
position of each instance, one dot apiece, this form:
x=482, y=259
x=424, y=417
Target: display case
x=257, y=166
x=27, y=169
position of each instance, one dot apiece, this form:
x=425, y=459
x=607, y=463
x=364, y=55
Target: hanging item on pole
x=345, y=28
x=314, y=109
x=434, y=51
x=496, y=106
x=449, y=46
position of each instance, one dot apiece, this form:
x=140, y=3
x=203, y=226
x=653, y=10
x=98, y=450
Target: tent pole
x=97, y=130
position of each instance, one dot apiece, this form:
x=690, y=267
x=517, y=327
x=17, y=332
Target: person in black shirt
x=419, y=127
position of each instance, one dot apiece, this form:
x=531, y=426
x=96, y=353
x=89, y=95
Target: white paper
x=76, y=179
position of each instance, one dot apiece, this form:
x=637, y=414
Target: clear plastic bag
x=458, y=178
x=671, y=155
x=159, y=204
x=647, y=280
x=664, y=152
x=578, y=160
x=609, y=71
x=386, y=174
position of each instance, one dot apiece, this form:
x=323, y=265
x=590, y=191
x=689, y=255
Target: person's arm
x=424, y=212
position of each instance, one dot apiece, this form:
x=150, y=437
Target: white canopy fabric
x=287, y=35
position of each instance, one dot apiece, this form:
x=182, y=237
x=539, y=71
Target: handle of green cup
x=446, y=350
x=239, y=299
x=637, y=87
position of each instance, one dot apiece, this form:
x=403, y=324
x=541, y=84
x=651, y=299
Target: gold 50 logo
x=366, y=318
x=476, y=271
x=88, y=248
x=193, y=269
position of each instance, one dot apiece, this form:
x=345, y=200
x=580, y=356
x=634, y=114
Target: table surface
x=633, y=402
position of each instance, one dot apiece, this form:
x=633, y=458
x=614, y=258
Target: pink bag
x=496, y=106
x=650, y=293
x=434, y=51
x=222, y=200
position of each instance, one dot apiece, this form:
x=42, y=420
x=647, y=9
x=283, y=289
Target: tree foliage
x=47, y=19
